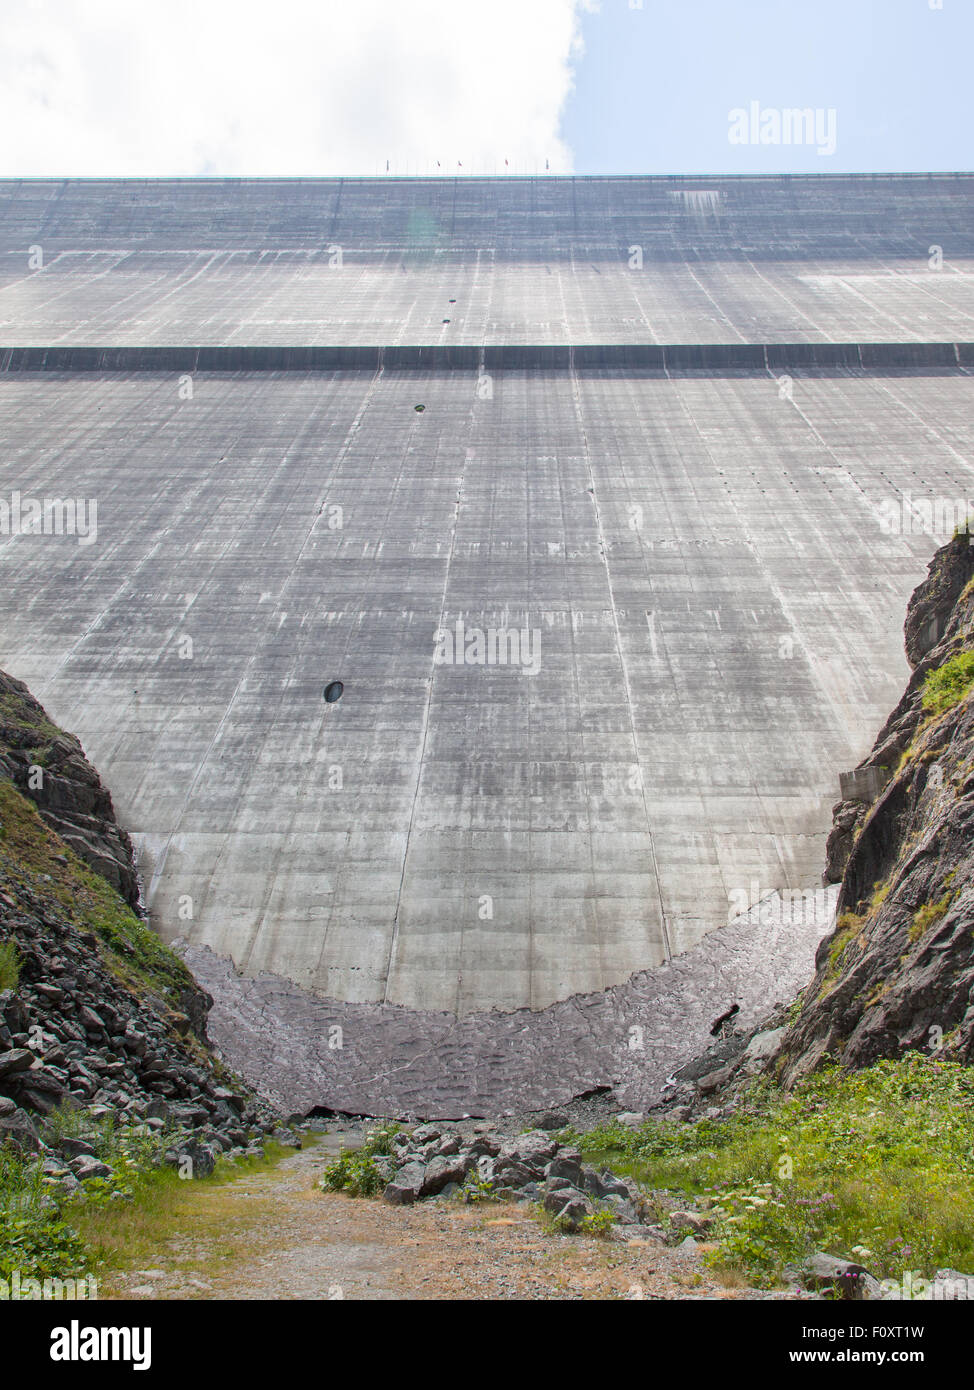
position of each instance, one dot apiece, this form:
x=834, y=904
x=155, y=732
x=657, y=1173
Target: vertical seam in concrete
x=394, y=943
x=664, y=929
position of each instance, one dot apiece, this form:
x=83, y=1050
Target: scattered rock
x=407, y=1186
x=693, y=1221
x=822, y=1271
x=553, y=1120
x=84, y=1167
x=17, y=1059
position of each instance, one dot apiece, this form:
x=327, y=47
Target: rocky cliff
x=49, y=766
x=96, y=1014
x=898, y=971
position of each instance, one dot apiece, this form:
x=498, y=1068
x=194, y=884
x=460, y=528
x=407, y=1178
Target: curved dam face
x=606, y=631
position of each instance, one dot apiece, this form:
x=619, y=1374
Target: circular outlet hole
x=333, y=691
x=419, y=407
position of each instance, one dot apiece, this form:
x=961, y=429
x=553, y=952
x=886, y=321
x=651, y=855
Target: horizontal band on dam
x=652, y=357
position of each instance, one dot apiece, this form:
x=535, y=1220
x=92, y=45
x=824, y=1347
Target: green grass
x=47, y=1233
x=40, y=1224
x=929, y=915
x=948, y=684
x=847, y=929
x=9, y=965
x=876, y=1165
x=119, y=1233
x=32, y=856
x=17, y=714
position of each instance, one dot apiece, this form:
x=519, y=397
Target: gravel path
x=275, y=1235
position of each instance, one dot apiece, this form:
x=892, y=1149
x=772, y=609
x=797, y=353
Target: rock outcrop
x=898, y=971
x=96, y=1014
x=50, y=767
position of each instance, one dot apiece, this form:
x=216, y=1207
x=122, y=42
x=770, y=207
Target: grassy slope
x=876, y=1165
x=34, y=857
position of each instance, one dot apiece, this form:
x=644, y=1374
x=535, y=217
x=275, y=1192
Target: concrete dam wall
x=608, y=626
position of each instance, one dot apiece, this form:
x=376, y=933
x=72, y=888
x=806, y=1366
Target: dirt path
x=274, y=1235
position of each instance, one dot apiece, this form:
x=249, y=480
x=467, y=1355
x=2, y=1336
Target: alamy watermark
x=925, y=516
x=949, y=1286
x=492, y=646
x=784, y=907
x=789, y=125
x=49, y=516
x=19, y=1287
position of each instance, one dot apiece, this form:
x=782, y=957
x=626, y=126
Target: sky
x=311, y=88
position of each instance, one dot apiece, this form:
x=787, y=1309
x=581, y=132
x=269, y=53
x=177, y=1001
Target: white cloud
x=296, y=87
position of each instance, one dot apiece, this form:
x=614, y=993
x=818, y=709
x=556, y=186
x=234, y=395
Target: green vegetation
x=46, y=1232
x=597, y=1223
x=9, y=965
x=928, y=915
x=17, y=713
x=118, y=1233
x=477, y=1189
x=876, y=1165
x=35, y=1238
x=355, y=1171
x=948, y=684
x=31, y=855
x=847, y=929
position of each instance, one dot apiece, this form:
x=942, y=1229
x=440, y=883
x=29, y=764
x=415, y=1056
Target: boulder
x=553, y=1119
x=17, y=1130
x=84, y=1167
x=485, y=1169
x=16, y=1059
x=568, y=1214
x=441, y=1171
x=425, y=1134
x=621, y=1208
x=692, y=1221
x=407, y=1186
x=606, y=1184
x=822, y=1271
x=191, y=1157
x=564, y=1166
x=513, y=1173
x=91, y=1022
x=485, y=1145
x=449, y=1144
x=72, y=1147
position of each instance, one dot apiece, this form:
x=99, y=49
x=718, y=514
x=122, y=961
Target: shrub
x=355, y=1172
x=597, y=1223
x=948, y=684
x=379, y=1141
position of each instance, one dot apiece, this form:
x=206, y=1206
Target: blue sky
x=442, y=87
x=655, y=85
